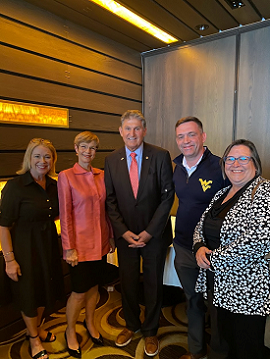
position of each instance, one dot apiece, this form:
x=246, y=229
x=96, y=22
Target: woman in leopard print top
x=230, y=242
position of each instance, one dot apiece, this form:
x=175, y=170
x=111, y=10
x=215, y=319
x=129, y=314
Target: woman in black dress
x=29, y=240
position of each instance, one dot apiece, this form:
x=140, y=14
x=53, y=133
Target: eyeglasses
x=85, y=147
x=242, y=160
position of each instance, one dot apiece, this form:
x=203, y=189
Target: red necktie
x=133, y=174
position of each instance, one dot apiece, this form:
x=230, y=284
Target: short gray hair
x=133, y=114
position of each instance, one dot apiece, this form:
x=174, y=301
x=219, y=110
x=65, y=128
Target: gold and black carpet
x=172, y=333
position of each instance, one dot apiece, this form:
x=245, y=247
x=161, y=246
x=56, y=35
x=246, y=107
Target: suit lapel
x=146, y=160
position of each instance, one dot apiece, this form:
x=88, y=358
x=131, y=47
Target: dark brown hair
x=189, y=119
x=253, y=151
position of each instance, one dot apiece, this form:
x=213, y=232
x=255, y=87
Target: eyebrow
x=181, y=134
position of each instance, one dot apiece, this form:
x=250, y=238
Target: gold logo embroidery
x=205, y=184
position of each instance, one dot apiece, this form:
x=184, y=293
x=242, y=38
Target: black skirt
x=86, y=275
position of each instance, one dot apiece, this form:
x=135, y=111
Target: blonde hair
x=35, y=142
x=87, y=137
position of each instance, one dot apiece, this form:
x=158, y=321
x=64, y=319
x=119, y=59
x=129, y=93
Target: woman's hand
x=201, y=259
x=13, y=270
x=72, y=257
x=112, y=245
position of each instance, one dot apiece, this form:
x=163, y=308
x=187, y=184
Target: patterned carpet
x=109, y=318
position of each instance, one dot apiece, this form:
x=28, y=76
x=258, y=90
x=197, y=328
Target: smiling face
x=86, y=153
x=239, y=175
x=133, y=133
x=190, y=140
x=40, y=162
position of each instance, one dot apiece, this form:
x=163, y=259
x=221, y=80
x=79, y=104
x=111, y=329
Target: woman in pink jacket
x=86, y=236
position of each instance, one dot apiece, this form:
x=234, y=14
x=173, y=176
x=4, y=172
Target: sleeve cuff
x=197, y=246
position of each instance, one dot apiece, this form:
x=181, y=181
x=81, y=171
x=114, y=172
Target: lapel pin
x=122, y=158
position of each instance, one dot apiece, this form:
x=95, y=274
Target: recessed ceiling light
x=135, y=19
x=235, y=4
x=202, y=27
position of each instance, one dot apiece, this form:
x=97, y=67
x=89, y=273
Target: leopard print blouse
x=242, y=276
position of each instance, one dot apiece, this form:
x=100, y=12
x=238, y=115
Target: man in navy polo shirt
x=197, y=177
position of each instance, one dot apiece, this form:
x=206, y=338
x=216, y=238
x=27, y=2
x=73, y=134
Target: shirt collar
x=138, y=151
x=184, y=163
x=80, y=170
x=28, y=179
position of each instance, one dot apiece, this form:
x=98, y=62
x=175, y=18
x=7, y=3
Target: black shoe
x=46, y=340
x=40, y=354
x=97, y=341
x=76, y=353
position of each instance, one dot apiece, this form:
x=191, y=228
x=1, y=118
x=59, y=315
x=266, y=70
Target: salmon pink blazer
x=85, y=225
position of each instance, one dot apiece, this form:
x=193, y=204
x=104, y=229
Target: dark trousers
x=153, y=256
x=244, y=333
x=188, y=271
x=219, y=346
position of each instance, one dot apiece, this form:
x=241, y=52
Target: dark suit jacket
x=150, y=210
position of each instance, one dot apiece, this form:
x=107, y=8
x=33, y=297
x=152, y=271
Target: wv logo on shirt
x=205, y=184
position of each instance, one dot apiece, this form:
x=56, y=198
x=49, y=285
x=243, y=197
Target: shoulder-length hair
x=253, y=152
x=26, y=165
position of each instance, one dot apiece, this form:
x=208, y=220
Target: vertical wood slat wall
x=253, y=106
x=49, y=61
x=224, y=80
x=192, y=80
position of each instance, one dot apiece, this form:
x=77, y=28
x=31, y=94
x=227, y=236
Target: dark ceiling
x=177, y=17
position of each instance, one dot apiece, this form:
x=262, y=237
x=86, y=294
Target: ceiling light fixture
x=202, y=27
x=235, y=4
x=134, y=19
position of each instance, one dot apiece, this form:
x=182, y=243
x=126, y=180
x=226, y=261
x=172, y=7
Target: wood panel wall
x=191, y=81
x=49, y=61
x=253, y=107
x=223, y=79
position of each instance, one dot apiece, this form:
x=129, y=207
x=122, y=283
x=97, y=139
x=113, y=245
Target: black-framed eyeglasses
x=242, y=160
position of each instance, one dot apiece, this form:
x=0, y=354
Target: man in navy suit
x=141, y=226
